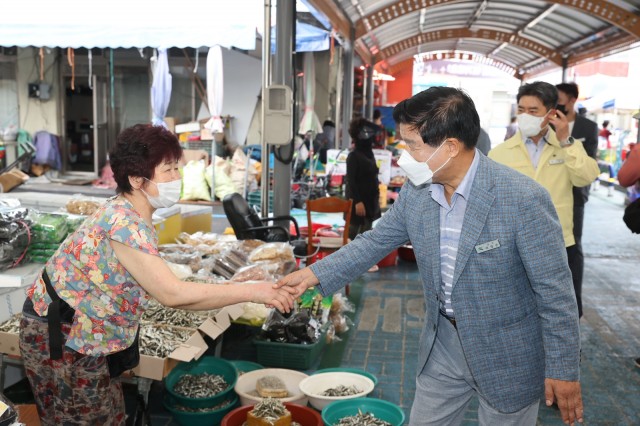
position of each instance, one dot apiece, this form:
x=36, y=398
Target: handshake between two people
x=288, y=289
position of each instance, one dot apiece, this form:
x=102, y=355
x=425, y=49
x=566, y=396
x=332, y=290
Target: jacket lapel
x=478, y=206
x=430, y=225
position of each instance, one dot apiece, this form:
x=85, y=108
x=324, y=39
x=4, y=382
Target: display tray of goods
x=280, y=383
x=272, y=412
x=363, y=411
x=205, y=383
x=325, y=388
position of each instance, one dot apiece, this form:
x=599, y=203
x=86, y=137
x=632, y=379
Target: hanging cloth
x=71, y=59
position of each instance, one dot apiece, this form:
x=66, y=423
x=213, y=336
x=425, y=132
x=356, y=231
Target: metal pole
x=369, y=94
x=338, y=110
x=565, y=65
x=266, y=66
x=283, y=74
x=347, y=93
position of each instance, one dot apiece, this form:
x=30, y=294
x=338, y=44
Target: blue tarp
x=308, y=38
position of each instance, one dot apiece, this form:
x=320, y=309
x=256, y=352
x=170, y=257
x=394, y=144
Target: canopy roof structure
x=126, y=23
x=523, y=37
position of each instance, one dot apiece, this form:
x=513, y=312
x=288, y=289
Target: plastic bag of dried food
x=176, y=248
x=234, y=258
x=83, y=205
x=198, y=238
x=252, y=273
x=299, y=327
x=74, y=221
x=193, y=260
x=254, y=313
x=11, y=220
x=247, y=246
x=180, y=271
x=221, y=267
x=48, y=227
x=8, y=412
x=272, y=251
x=13, y=249
x=8, y=215
x=216, y=248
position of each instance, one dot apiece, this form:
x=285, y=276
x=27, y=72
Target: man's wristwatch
x=570, y=141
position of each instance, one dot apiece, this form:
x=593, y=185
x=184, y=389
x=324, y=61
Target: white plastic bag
x=194, y=184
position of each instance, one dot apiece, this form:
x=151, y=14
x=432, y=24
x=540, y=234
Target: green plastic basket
x=206, y=364
x=381, y=409
x=296, y=356
x=245, y=366
x=209, y=418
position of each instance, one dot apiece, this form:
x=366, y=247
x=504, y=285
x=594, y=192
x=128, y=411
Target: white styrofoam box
x=194, y=126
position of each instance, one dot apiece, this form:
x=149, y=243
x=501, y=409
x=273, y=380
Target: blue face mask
x=168, y=194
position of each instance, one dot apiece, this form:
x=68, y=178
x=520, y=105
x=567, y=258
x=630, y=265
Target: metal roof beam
x=478, y=12
x=497, y=36
x=615, y=15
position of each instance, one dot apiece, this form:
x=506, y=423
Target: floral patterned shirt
x=86, y=274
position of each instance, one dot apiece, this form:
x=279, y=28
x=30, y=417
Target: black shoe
x=638, y=362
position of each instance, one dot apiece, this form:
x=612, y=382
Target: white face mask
x=530, y=125
x=418, y=172
x=168, y=193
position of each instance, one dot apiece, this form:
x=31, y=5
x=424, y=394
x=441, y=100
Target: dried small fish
x=341, y=390
x=202, y=385
x=159, y=314
x=12, y=325
x=161, y=341
x=362, y=419
x=270, y=410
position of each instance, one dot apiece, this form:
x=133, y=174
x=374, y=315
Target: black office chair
x=247, y=225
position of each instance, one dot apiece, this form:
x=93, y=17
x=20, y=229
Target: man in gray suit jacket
x=501, y=318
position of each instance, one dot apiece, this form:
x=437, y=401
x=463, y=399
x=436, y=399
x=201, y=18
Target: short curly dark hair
x=139, y=150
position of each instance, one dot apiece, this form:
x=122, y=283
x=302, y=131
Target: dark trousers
x=356, y=229
x=576, y=256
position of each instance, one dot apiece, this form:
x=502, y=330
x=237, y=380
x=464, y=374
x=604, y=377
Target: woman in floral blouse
x=102, y=277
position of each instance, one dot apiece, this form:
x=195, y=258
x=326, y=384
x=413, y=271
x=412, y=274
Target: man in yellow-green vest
x=551, y=157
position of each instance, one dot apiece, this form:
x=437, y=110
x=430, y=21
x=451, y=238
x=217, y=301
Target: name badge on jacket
x=555, y=161
x=481, y=248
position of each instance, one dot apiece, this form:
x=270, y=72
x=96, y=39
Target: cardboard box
x=9, y=343
x=215, y=326
x=193, y=126
x=155, y=368
x=171, y=123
